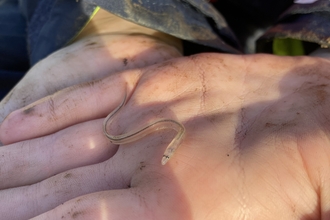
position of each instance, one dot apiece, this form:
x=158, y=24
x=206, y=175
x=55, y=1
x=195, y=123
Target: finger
x=38, y=198
x=119, y=204
x=31, y=161
x=67, y=107
x=84, y=61
x=159, y=198
x=116, y=204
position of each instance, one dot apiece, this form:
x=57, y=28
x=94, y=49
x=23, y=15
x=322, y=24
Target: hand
x=256, y=144
x=107, y=45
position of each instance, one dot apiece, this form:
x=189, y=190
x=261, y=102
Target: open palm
x=256, y=144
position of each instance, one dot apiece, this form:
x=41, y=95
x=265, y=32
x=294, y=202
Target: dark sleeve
x=309, y=23
x=192, y=20
x=53, y=23
x=14, y=61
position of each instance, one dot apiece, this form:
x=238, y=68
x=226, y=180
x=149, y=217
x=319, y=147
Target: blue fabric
x=53, y=24
x=30, y=30
x=14, y=60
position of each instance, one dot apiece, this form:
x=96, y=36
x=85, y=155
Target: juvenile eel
x=157, y=125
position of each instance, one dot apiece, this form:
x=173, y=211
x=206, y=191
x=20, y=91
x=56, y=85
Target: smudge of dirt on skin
x=310, y=72
x=68, y=175
x=76, y=214
x=321, y=94
x=70, y=146
x=24, y=101
x=318, y=93
x=201, y=75
x=29, y=110
x=125, y=61
x=269, y=125
x=91, y=44
x=142, y=165
x=51, y=107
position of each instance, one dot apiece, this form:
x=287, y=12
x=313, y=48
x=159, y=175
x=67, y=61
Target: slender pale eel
x=157, y=125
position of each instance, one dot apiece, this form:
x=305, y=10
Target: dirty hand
x=256, y=144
